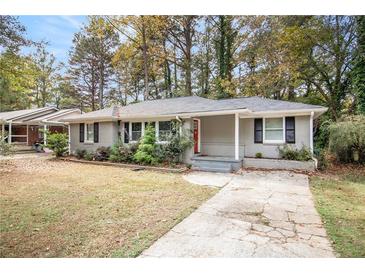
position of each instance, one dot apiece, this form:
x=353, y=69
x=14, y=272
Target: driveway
x=256, y=214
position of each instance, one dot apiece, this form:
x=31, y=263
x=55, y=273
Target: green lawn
x=340, y=199
x=58, y=209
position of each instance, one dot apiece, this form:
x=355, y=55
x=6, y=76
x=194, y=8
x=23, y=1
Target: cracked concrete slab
x=255, y=214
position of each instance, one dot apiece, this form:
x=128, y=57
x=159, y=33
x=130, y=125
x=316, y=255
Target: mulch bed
x=132, y=166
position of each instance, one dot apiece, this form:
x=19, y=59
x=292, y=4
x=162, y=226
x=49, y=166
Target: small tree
x=146, y=152
x=177, y=142
x=347, y=139
x=58, y=142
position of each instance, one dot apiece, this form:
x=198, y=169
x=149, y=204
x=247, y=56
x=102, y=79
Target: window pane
x=290, y=124
x=258, y=136
x=258, y=124
x=90, y=132
x=274, y=135
x=165, y=125
x=136, y=126
x=136, y=135
x=273, y=123
x=290, y=136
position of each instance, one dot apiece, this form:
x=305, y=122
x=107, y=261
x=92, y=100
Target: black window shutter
x=82, y=132
x=126, y=133
x=258, y=131
x=96, y=132
x=290, y=130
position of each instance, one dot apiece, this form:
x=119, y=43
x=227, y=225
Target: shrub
x=89, y=156
x=58, y=142
x=80, y=153
x=289, y=153
x=5, y=148
x=177, y=143
x=258, y=155
x=102, y=154
x=347, y=139
x=146, y=152
x=120, y=152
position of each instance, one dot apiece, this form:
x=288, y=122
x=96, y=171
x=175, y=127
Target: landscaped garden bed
x=176, y=168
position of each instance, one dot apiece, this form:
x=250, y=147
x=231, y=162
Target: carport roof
x=24, y=113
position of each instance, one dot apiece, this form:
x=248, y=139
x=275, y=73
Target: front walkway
x=257, y=214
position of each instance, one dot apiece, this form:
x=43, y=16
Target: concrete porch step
x=215, y=164
x=213, y=169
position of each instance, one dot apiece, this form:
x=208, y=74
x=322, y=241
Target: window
x=89, y=133
x=164, y=130
x=258, y=131
x=290, y=130
x=136, y=131
x=274, y=131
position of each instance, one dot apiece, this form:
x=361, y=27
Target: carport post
x=3, y=131
x=236, y=136
x=45, y=135
x=9, y=137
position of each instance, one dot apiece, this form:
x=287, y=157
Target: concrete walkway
x=257, y=214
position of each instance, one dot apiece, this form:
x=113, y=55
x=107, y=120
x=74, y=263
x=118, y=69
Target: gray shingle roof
x=193, y=104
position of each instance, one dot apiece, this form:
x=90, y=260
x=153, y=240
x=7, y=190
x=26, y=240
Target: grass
x=59, y=209
x=340, y=200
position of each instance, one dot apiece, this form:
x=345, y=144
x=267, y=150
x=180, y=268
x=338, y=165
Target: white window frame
x=282, y=141
x=157, y=129
x=85, y=133
x=158, y=132
x=131, y=133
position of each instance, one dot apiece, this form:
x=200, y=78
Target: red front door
x=196, y=136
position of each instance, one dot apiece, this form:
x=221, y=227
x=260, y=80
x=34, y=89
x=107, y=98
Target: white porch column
x=236, y=136
x=143, y=128
x=45, y=134
x=9, y=137
x=311, y=132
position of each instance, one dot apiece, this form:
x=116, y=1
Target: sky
x=57, y=30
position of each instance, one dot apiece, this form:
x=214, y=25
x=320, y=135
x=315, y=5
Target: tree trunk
x=145, y=61
x=189, y=43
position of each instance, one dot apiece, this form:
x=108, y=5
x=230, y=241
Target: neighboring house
x=23, y=126
x=227, y=129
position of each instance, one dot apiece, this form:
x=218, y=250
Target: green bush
x=58, y=142
x=258, y=155
x=5, y=148
x=177, y=143
x=89, y=156
x=347, y=139
x=146, y=152
x=289, y=153
x=122, y=153
x=102, y=154
x=80, y=153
